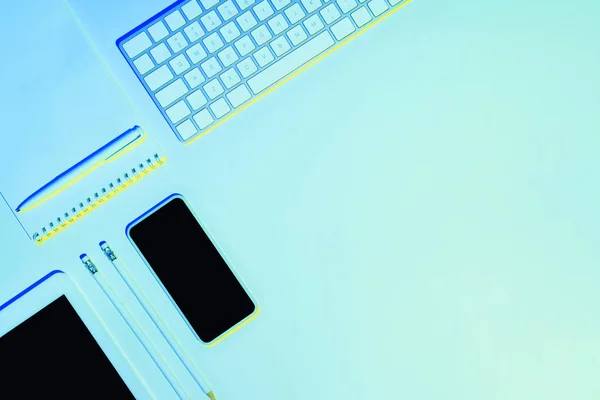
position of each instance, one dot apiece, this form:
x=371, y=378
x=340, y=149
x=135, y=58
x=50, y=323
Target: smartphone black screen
x=52, y=355
x=191, y=269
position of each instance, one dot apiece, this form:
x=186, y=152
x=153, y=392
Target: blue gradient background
x=417, y=214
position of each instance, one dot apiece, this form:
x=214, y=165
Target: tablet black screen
x=52, y=355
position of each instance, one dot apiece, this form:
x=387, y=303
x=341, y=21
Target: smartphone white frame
x=219, y=250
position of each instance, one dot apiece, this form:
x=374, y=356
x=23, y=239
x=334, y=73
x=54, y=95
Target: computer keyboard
x=203, y=61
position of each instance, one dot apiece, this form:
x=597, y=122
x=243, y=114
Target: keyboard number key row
x=180, y=111
x=228, y=10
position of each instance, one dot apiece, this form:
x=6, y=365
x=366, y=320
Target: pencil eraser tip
x=81, y=257
x=102, y=243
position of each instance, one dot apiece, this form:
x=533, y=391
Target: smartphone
x=191, y=269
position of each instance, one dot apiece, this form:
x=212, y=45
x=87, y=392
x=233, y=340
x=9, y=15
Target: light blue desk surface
x=418, y=214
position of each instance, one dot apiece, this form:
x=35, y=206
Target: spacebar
x=292, y=61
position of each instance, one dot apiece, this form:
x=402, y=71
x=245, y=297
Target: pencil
x=156, y=318
x=133, y=324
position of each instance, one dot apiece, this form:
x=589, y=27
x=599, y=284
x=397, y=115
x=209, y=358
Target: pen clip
x=126, y=147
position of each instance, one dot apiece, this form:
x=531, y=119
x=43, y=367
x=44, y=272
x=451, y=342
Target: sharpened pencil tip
x=211, y=395
x=18, y=210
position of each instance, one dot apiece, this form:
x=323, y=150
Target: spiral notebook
x=85, y=196
x=59, y=104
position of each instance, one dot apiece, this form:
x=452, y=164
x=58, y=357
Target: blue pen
x=103, y=155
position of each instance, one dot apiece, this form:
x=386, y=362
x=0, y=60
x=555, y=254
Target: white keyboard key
x=264, y=56
x=211, y=67
x=211, y=21
x=220, y=108
x=228, y=56
x=197, y=99
x=171, y=93
x=158, y=31
x=179, y=64
x=230, y=32
x=311, y=5
x=297, y=35
x=343, y=29
x=313, y=24
x=362, y=17
x=136, y=45
x=203, y=119
x=227, y=10
x=330, y=14
x=278, y=24
x=261, y=35
x=187, y=129
x=294, y=13
x=280, y=46
x=247, y=21
x=291, y=62
x=194, y=78
x=178, y=112
x=213, y=89
x=230, y=78
x=347, y=5
x=175, y=20
x=213, y=42
x=209, y=3
x=191, y=9
x=143, y=64
x=279, y=4
x=239, y=96
x=196, y=53
x=177, y=42
x=263, y=10
x=247, y=67
x=193, y=31
x=158, y=78
x=378, y=7
x=237, y=49
x=160, y=53
x=244, y=46
x=243, y=4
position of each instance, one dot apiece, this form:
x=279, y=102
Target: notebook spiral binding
x=98, y=198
